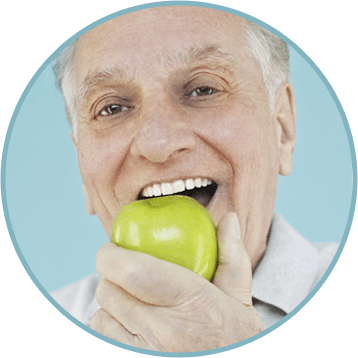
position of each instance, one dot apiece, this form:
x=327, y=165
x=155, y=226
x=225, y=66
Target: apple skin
x=177, y=229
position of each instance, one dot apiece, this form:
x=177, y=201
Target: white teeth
x=149, y=191
x=157, y=190
x=175, y=187
x=167, y=189
x=189, y=184
x=178, y=186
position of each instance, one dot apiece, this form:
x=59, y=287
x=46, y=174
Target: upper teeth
x=174, y=187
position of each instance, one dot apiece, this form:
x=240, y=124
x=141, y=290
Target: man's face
x=171, y=94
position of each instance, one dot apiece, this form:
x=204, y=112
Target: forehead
x=144, y=36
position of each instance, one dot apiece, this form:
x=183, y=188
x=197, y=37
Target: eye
x=112, y=109
x=202, y=91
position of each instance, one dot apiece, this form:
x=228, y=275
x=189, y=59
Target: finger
x=103, y=323
x=122, y=306
x=234, y=273
x=147, y=278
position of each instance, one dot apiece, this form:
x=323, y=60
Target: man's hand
x=153, y=304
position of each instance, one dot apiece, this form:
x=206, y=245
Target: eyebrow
x=182, y=56
x=92, y=81
x=192, y=55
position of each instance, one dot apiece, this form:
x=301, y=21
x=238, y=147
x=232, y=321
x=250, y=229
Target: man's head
x=166, y=95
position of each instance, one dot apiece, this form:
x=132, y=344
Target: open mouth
x=200, y=189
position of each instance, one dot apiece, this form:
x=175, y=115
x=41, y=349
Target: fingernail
x=235, y=226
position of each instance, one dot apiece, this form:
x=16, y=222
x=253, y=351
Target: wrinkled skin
x=192, y=103
x=176, y=310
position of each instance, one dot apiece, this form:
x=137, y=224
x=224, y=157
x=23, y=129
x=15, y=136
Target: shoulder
x=78, y=299
x=325, y=253
x=290, y=267
x=327, y=250
x=283, y=233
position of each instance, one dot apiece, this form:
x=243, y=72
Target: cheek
x=245, y=137
x=101, y=157
x=236, y=133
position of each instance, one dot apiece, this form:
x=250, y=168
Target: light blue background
x=59, y=240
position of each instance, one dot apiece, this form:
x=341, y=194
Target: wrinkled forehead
x=144, y=36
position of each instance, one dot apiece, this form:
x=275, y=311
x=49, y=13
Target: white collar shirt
x=288, y=271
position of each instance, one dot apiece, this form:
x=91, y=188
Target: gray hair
x=272, y=56
x=64, y=70
x=269, y=52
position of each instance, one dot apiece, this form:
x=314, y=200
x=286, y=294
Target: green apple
x=172, y=228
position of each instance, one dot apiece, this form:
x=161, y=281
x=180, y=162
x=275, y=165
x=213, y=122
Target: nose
x=162, y=136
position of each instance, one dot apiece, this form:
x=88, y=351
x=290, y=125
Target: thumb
x=234, y=273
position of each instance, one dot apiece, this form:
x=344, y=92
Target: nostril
x=180, y=150
x=178, y=153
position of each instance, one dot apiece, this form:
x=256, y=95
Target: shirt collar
x=287, y=270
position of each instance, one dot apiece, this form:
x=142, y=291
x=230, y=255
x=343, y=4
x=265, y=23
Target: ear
x=89, y=206
x=285, y=116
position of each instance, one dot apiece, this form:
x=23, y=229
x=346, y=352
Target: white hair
x=268, y=51
x=64, y=70
x=272, y=56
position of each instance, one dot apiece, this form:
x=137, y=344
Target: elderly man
x=158, y=99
